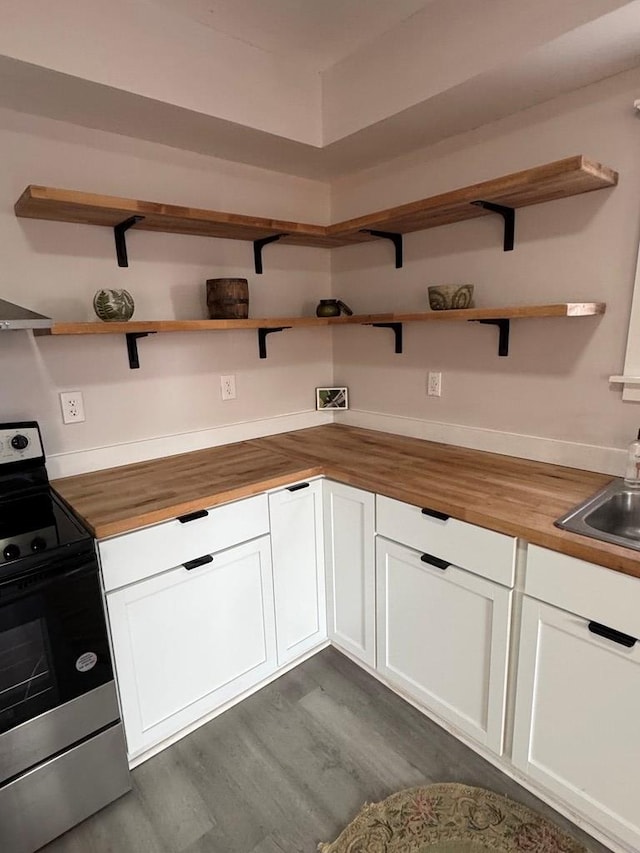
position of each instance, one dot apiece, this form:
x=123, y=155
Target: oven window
x=27, y=680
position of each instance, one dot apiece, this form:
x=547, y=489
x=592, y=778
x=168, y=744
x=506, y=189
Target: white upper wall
x=437, y=49
x=152, y=69
x=134, y=46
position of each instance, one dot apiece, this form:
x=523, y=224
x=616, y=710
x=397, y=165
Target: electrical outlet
x=228, y=387
x=72, y=406
x=434, y=384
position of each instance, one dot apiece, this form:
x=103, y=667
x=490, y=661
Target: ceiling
x=315, y=88
x=316, y=32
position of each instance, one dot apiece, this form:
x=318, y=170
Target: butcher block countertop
x=503, y=493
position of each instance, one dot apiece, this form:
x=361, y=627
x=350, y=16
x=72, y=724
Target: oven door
x=53, y=638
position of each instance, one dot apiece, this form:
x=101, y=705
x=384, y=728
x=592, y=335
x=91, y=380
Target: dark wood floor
x=285, y=769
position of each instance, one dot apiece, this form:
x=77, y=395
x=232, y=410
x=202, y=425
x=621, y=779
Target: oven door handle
x=199, y=561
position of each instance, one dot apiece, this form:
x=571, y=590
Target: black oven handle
x=47, y=573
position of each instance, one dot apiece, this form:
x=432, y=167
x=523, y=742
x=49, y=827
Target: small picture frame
x=332, y=398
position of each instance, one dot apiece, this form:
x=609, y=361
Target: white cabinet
x=298, y=568
x=481, y=551
x=190, y=639
x=577, y=716
x=443, y=637
x=143, y=553
x=350, y=569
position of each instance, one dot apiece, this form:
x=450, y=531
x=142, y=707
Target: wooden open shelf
x=500, y=317
x=562, y=178
x=562, y=309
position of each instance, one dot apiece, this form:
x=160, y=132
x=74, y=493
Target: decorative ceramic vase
x=445, y=297
x=332, y=308
x=113, y=306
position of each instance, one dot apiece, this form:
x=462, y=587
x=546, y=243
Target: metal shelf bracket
x=258, y=246
x=132, y=347
x=397, y=332
x=509, y=216
x=119, y=232
x=396, y=239
x=504, y=327
x=262, y=338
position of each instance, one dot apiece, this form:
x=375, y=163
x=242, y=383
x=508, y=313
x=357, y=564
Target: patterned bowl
x=445, y=297
x=113, y=306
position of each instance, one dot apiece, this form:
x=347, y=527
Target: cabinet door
x=443, y=637
x=350, y=569
x=187, y=641
x=577, y=721
x=298, y=568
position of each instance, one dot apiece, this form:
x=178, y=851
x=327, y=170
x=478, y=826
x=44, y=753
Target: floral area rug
x=450, y=818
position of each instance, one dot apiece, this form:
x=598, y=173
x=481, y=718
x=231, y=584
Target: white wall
x=141, y=48
x=439, y=48
x=55, y=268
x=554, y=383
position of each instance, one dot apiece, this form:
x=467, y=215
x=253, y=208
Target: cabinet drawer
x=481, y=551
x=594, y=592
x=138, y=555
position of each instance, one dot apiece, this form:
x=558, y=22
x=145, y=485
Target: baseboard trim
x=605, y=460
x=111, y=456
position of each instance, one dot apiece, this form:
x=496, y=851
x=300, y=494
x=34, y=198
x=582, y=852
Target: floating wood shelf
x=562, y=178
x=501, y=317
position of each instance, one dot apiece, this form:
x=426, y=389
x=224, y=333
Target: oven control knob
x=38, y=544
x=11, y=552
x=19, y=442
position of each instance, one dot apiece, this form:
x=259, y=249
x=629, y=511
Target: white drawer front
x=481, y=551
x=594, y=592
x=134, y=556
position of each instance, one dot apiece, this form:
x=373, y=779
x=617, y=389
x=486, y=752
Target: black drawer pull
x=611, y=634
x=297, y=487
x=433, y=513
x=192, y=516
x=200, y=561
x=435, y=561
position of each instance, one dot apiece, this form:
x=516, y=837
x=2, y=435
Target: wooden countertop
x=503, y=493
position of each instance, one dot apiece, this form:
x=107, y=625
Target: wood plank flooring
x=285, y=769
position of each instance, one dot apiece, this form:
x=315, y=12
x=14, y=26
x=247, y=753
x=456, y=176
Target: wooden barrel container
x=228, y=298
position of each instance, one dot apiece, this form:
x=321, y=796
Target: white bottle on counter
x=632, y=471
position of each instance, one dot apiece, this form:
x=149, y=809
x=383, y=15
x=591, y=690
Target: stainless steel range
x=62, y=750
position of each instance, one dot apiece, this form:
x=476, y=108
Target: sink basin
x=612, y=515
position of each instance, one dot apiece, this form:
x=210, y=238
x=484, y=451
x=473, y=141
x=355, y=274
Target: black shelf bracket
x=258, y=246
x=504, y=327
x=121, y=243
x=262, y=338
x=132, y=347
x=397, y=332
x=396, y=239
x=509, y=216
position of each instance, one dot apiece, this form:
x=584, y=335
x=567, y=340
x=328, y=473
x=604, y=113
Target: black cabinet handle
x=297, y=487
x=199, y=561
x=433, y=513
x=201, y=513
x=611, y=634
x=435, y=561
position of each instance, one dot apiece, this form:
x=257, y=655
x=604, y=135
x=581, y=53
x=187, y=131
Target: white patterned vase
x=113, y=305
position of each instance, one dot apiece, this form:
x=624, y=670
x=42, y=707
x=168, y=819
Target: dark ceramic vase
x=332, y=308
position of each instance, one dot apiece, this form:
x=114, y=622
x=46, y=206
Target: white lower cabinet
x=190, y=639
x=443, y=637
x=298, y=568
x=350, y=569
x=577, y=718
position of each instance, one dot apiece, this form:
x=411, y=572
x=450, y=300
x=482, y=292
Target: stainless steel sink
x=612, y=515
